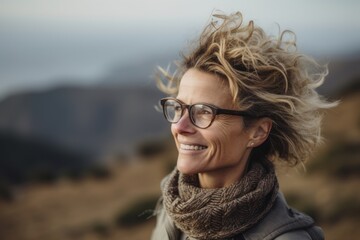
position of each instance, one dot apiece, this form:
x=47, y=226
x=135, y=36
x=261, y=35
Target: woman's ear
x=260, y=132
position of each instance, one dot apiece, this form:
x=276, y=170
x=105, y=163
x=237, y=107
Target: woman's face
x=220, y=150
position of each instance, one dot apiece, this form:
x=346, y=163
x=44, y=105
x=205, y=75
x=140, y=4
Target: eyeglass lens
x=200, y=115
x=172, y=110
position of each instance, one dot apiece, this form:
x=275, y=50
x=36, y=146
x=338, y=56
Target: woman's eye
x=177, y=108
x=204, y=111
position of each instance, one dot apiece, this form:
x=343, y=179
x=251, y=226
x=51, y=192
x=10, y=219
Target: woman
x=241, y=101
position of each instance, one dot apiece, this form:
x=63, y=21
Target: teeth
x=191, y=147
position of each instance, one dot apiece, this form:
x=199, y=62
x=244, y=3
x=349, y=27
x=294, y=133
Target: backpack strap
x=315, y=232
x=282, y=220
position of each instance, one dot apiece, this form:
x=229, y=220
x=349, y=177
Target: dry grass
x=69, y=210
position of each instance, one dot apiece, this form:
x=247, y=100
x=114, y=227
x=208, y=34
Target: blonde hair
x=265, y=75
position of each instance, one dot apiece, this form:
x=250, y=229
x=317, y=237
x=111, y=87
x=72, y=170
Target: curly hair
x=265, y=74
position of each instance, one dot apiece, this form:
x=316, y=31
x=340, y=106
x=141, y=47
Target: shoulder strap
x=315, y=233
x=280, y=220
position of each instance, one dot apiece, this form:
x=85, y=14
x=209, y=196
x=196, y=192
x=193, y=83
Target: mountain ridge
x=93, y=119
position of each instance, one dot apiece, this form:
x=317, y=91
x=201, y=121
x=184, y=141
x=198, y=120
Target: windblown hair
x=265, y=75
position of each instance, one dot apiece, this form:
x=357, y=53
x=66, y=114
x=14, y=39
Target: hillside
x=26, y=160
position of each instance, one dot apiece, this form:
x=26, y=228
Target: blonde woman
x=239, y=102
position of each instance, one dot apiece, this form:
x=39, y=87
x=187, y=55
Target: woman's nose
x=184, y=125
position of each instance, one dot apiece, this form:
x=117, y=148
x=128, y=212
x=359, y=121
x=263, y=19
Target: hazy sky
x=42, y=42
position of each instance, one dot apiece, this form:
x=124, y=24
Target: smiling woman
x=218, y=162
x=241, y=101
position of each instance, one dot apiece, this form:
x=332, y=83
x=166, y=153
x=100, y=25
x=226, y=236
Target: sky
x=46, y=43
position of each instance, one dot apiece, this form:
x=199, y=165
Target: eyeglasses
x=201, y=114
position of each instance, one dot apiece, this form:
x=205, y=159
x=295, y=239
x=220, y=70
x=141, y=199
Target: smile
x=192, y=147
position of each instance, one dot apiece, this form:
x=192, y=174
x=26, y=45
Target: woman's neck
x=223, y=177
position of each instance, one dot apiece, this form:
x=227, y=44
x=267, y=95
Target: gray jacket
x=281, y=223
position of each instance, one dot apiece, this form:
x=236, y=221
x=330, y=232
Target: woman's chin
x=187, y=166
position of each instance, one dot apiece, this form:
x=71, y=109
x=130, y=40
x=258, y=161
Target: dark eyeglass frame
x=215, y=110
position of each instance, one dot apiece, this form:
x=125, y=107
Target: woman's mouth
x=192, y=147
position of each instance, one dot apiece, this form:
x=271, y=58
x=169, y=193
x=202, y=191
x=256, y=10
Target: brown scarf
x=224, y=212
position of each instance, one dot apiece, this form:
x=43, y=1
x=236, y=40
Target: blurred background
x=82, y=148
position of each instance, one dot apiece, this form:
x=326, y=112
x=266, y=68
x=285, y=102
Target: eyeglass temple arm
x=234, y=112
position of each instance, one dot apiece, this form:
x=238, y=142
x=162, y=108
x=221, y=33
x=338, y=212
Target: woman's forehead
x=198, y=86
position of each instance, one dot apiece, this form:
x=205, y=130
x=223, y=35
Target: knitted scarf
x=223, y=212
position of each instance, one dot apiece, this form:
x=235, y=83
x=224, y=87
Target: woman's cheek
x=215, y=147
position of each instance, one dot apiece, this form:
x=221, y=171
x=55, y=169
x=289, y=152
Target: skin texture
x=228, y=143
